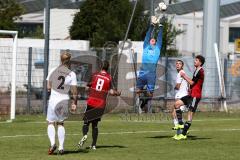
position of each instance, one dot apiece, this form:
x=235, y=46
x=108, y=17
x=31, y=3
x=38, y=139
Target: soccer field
x=213, y=136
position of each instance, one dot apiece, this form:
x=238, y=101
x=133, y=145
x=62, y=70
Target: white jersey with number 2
x=58, y=101
x=69, y=80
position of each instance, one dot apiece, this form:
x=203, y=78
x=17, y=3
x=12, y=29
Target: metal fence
x=29, y=79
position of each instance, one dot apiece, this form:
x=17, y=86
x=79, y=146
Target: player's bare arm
x=88, y=86
x=188, y=79
x=49, y=86
x=114, y=92
x=74, y=101
x=177, y=86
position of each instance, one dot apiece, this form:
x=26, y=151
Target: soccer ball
x=184, y=108
x=162, y=6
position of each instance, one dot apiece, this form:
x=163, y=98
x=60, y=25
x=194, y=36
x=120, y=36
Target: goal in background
x=12, y=82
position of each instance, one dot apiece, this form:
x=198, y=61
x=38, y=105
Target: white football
x=184, y=108
x=162, y=6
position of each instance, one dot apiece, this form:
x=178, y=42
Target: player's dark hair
x=181, y=62
x=105, y=65
x=201, y=59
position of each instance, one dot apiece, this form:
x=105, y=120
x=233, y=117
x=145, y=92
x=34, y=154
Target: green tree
x=107, y=20
x=170, y=32
x=10, y=11
x=37, y=32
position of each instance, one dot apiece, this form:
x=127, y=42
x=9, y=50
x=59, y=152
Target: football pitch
x=213, y=136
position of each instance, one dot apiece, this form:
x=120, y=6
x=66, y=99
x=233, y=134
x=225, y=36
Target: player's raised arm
x=148, y=36
x=159, y=38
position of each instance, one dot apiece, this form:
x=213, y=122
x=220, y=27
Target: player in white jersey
x=59, y=82
x=181, y=90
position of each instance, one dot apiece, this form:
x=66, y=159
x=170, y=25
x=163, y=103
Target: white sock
x=175, y=121
x=61, y=136
x=51, y=133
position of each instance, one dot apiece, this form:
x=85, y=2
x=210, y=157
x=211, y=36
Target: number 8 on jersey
x=99, y=85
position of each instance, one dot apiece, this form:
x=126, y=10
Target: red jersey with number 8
x=99, y=87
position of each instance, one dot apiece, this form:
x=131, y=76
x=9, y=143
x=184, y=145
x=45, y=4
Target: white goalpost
x=221, y=77
x=14, y=63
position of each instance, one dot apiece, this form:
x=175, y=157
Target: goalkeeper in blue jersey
x=147, y=74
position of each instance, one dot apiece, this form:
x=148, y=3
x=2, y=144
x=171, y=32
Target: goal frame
x=14, y=64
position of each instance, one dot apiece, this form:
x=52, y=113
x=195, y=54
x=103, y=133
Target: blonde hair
x=65, y=57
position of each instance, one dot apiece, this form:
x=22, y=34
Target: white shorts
x=57, y=110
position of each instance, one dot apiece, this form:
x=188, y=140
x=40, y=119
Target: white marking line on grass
x=135, y=121
x=121, y=133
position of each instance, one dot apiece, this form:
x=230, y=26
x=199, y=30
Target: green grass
x=213, y=136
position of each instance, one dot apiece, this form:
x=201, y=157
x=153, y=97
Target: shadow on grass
x=109, y=146
x=160, y=137
x=74, y=151
x=197, y=138
x=87, y=149
x=188, y=137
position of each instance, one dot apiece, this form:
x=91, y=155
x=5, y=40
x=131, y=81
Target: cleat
x=93, y=147
x=175, y=136
x=179, y=131
x=178, y=127
x=61, y=152
x=175, y=127
x=52, y=149
x=181, y=137
x=82, y=141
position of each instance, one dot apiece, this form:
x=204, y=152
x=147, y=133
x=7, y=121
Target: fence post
x=29, y=87
x=166, y=80
x=135, y=82
x=46, y=54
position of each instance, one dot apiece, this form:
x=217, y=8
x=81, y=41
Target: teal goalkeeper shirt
x=151, y=54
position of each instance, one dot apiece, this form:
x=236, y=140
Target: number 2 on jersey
x=62, y=78
x=100, y=83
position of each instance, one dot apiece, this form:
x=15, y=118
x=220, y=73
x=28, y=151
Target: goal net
x=8, y=56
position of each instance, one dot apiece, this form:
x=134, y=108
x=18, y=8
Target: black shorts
x=191, y=102
x=93, y=114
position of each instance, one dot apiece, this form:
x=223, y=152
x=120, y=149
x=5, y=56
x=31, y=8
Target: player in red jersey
x=99, y=88
x=195, y=94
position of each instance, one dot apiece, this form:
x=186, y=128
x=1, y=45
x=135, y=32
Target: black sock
x=186, y=127
x=85, y=128
x=179, y=116
x=144, y=102
x=94, y=133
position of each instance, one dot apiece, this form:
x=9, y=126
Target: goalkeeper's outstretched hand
x=154, y=20
x=162, y=6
